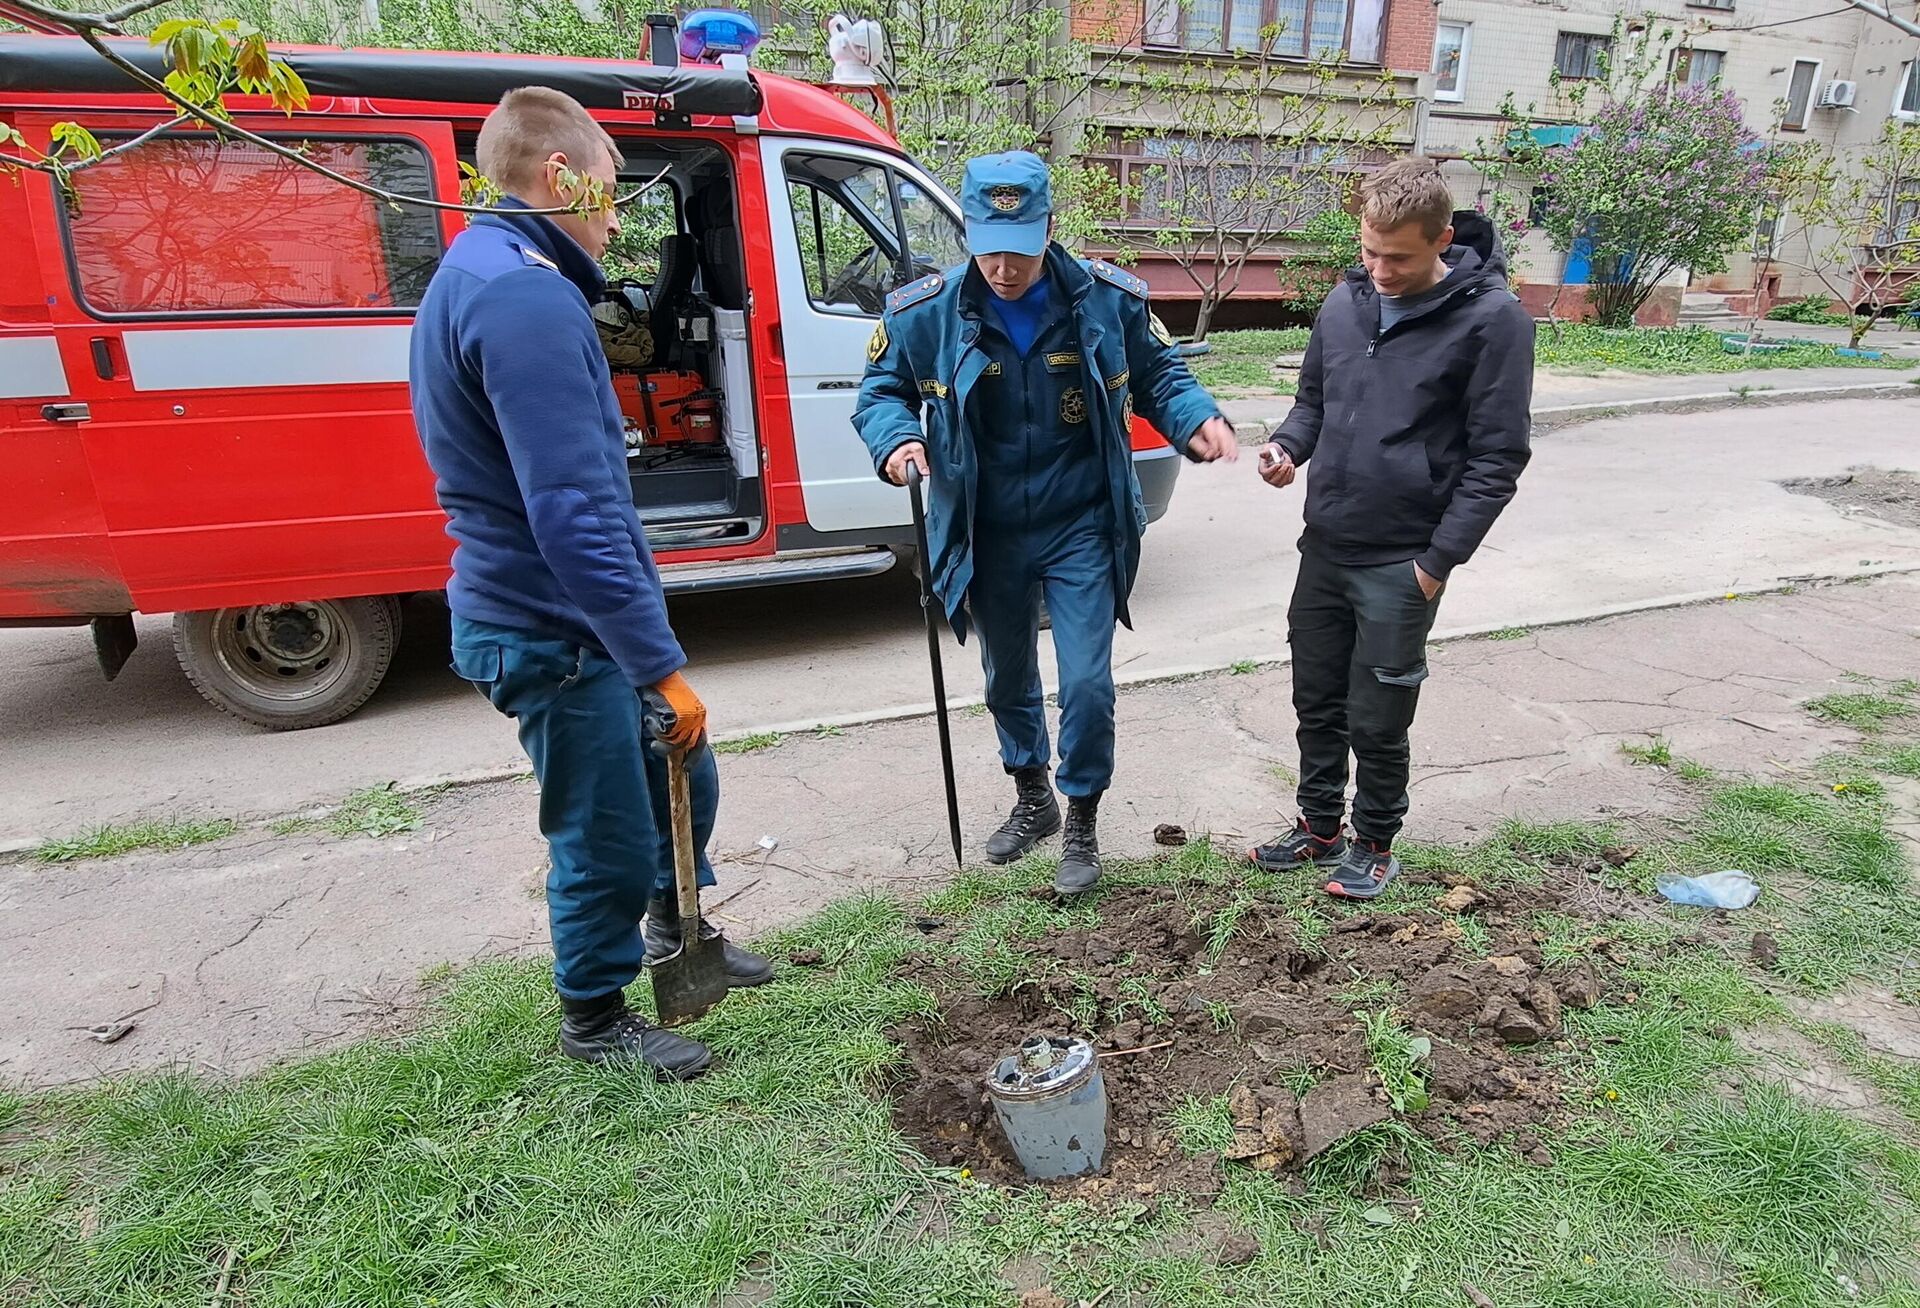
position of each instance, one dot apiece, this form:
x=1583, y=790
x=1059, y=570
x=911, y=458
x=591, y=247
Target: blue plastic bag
x=1729, y=889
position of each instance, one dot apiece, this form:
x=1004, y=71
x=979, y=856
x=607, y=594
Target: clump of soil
x=1893, y=496
x=1271, y=1022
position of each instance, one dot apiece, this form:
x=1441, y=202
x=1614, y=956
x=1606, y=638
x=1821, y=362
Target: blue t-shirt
x=1023, y=318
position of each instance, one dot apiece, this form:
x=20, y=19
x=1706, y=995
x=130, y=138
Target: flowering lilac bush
x=1670, y=178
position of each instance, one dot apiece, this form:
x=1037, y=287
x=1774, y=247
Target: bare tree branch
x=1886, y=15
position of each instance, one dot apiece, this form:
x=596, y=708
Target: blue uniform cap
x=1007, y=200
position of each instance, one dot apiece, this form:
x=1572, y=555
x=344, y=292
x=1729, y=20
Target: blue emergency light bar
x=709, y=33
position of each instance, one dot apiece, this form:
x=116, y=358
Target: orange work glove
x=674, y=714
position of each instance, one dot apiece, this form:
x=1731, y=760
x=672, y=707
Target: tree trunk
x=1860, y=326
x=1208, y=303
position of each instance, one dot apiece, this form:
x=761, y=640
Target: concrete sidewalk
x=231, y=955
x=1561, y=395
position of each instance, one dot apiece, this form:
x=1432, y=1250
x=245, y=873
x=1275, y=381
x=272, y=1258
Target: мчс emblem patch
x=1004, y=198
x=877, y=344
x=1073, y=406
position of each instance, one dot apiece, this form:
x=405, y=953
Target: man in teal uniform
x=1027, y=366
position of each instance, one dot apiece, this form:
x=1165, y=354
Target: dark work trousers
x=603, y=796
x=1359, y=638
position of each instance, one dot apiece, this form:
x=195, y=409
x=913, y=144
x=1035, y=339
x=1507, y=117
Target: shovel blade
x=687, y=985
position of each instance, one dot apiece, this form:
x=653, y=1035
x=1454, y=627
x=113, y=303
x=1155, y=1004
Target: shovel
x=693, y=978
x=933, y=653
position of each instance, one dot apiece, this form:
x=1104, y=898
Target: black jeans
x=1359, y=638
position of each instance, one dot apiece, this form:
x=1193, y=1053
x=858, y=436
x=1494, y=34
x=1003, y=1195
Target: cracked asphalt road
x=263, y=946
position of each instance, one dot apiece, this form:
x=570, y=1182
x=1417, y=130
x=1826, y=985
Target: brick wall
x=1107, y=22
x=1410, y=28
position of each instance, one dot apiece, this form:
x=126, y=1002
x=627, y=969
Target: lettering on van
x=657, y=102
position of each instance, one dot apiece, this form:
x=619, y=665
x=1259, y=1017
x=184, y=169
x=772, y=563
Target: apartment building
x=1803, y=70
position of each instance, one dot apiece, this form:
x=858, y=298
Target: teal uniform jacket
x=925, y=360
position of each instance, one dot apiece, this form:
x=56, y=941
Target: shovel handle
x=686, y=877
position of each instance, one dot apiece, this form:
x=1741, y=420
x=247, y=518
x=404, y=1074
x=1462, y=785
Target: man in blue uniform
x=558, y=615
x=1027, y=366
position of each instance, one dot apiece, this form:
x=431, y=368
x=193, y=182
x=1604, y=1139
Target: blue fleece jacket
x=516, y=410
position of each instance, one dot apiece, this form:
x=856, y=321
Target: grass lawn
x=1246, y=360
x=469, y=1165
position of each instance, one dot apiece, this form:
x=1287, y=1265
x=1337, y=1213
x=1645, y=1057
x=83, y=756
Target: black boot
x=662, y=931
x=1080, y=861
x=603, y=1029
x=1035, y=816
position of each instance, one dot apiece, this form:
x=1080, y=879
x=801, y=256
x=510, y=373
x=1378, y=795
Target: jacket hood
x=1476, y=258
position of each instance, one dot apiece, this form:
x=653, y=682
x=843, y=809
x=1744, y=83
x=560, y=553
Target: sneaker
x=1080, y=860
x=1300, y=846
x=605, y=1030
x=1035, y=816
x=661, y=930
x=1367, y=870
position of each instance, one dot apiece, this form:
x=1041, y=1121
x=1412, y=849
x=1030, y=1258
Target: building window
x=1168, y=179
x=1697, y=67
x=1450, y=44
x=1581, y=55
x=1806, y=75
x=1906, y=104
x=1710, y=4
x=1308, y=29
x=1903, y=216
x=195, y=224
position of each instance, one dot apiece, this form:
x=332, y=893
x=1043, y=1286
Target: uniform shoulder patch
x=1120, y=277
x=916, y=292
x=537, y=259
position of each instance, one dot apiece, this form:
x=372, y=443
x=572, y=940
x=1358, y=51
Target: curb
x=1569, y=415
x=15, y=848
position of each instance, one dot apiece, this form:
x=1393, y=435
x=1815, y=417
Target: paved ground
x=1612, y=516
x=264, y=945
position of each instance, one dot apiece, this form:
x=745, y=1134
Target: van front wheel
x=288, y=666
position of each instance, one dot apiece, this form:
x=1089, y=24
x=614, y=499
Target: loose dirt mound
x=1270, y=1020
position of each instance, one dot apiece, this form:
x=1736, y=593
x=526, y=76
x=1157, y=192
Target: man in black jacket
x=1413, y=409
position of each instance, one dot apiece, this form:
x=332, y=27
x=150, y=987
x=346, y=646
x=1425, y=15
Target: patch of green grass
x=1894, y=760
x=1204, y=1126
x=1510, y=633
x=376, y=811
x=1248, y=360
x=1556, y=840
x=1221, y=1015
x=1655, y=753
x=467, y=1164
x=752, y=744
x=112, y=840
x=1689, y=770
x=828, y=731
x=1244, y=667
x=1368, y=992
x=1676, y=350
x=1864, y=712
x=1285, y=775
x=1773, y=830
x=1397, y=1056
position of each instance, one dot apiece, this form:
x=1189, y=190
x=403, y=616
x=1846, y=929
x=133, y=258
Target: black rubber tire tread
x=376, y=622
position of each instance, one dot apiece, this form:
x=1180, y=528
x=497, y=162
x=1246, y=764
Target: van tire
x=289, y=666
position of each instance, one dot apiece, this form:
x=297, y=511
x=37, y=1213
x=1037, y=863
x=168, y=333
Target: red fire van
x=203, y=362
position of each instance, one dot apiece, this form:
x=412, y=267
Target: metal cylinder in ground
x=1051, y=1101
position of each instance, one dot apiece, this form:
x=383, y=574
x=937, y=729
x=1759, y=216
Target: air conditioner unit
x=1839, y=95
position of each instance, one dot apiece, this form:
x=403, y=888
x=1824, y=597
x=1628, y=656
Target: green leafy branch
x=207, y=61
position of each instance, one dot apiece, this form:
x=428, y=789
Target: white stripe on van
x=215, y=358
x=30, y=368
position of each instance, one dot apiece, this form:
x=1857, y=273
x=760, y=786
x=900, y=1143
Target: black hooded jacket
x=1417, y=435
